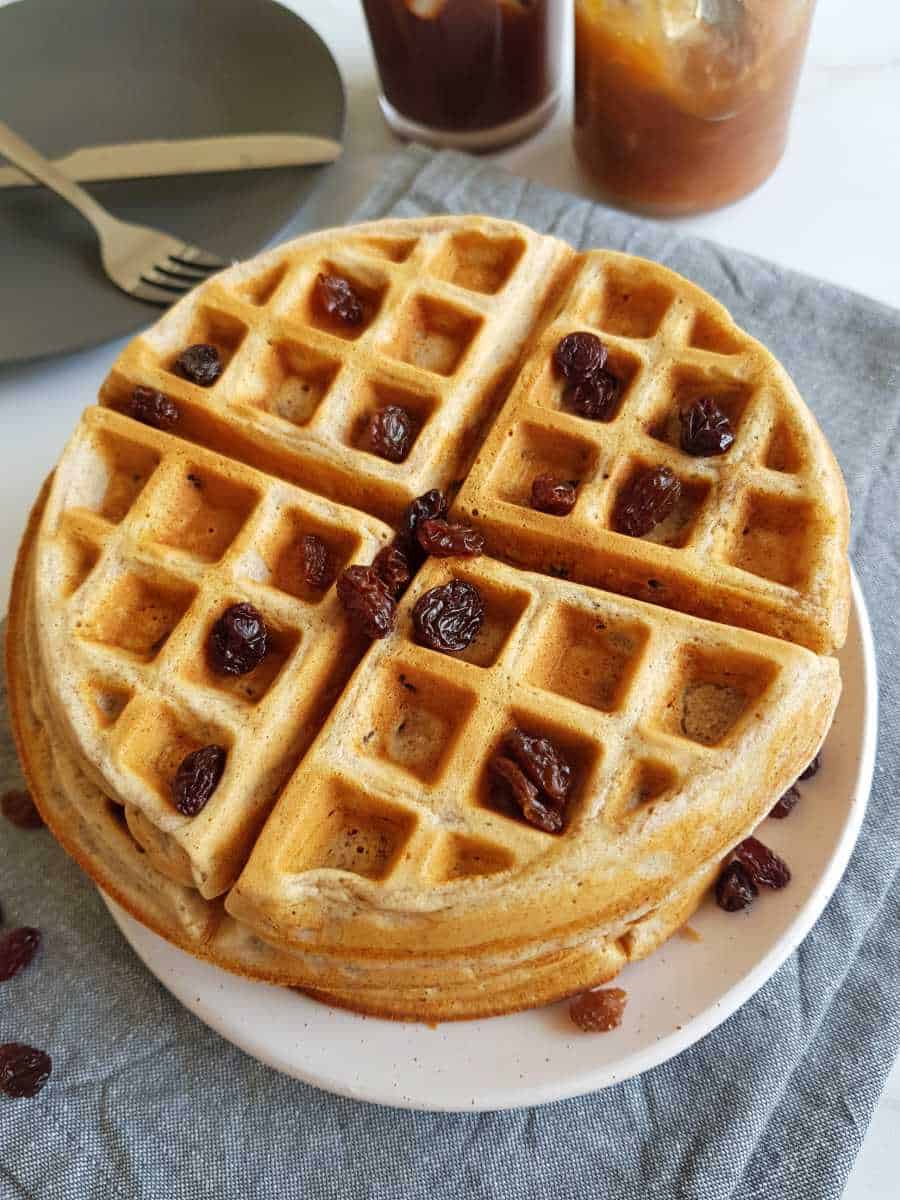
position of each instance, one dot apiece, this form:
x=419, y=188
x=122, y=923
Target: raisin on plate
x=786, y=804
x=734, y=888
x=763, y=865
x=598, y=1011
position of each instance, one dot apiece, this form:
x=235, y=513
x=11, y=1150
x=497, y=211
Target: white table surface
x=830, y=209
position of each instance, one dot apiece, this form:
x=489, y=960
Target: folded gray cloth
x=146, y=1102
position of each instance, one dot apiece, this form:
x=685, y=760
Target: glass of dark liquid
x=473, y=74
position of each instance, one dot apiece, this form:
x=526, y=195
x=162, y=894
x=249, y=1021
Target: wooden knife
x=186, y=156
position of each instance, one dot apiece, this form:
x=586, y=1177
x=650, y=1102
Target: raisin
x=446, y=539
x=337, y=298
x=448, y=618
x=763, y=865
x=153, y=408
x=201, y=364
x=238, y=640
x=542, y=763
x=734, y=888
x=598, y=1011
x=367, y=601
x=389, y=433
x=315, y=560
x=19, y=809
x=705, y=429
x=552, y=495
x=197, y=778
x=579, y=356
x=596, y=397
x=17, y=948
x=392, y=566
x=430, y=507
x=786, y=804
x=23, y=1070
x=527, y=796
x=645, y=501
x=813, y=768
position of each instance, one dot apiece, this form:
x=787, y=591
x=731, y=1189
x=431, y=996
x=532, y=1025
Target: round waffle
x=355, y=845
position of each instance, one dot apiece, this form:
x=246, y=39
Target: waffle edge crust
x=355, y=846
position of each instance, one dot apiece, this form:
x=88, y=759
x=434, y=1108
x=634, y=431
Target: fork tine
x=180, y=270
x=169, y=283
x=193, y=256
x=153, y=295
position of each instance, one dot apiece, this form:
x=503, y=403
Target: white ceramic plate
x=676, y=996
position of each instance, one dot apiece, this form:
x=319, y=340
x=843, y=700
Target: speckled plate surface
x=676, y=996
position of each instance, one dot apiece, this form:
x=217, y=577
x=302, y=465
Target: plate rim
x=143, y=941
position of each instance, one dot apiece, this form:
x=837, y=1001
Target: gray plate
x=104, y=71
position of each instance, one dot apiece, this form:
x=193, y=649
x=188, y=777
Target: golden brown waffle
x=448, y=305
x=759, y=536
x=389, y=876
x=145, y=541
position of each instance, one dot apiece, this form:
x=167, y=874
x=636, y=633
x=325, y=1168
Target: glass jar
x=683, y=105
x=474, y=74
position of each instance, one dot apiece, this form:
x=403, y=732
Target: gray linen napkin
x=147, y=1102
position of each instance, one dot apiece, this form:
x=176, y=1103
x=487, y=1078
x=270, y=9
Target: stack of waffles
x=356, y=845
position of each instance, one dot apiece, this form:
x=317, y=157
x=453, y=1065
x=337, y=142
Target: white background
x=832, y=209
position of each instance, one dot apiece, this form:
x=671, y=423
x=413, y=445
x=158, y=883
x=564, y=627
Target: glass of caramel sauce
x=683, y=105
x=474, y=74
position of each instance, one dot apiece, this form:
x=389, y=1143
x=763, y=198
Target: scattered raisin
x=596, y=397
x=197, y=778
x=445, y=539
x=19, y=809
x=337, y=298
x=542, y=763
x=316, y=563
x=448, y=618
x=431, y=506
x=201, y=364
x=23, y=1070
x=786, y=804
x=17, y=948
x=153, y=408
x=579, y=356
x=367, y=601
x=238, y=640
x=552, y=495
x=389, y=433
x=813, y=768
x=598, y=1011
x=734, y=888
x=645, y=501
x=763, y=865
x=527, y=795
x=392, y=565
x=705, y=429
